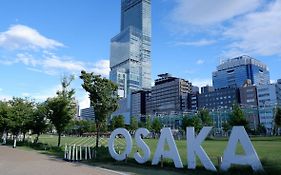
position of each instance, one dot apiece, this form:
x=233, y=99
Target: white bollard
x=80, y=149
x=89, y=150
x=69, y=152
x=76, y=153
x=86, y=153
x=73, y=153
x=15, y=142
x=65, y=152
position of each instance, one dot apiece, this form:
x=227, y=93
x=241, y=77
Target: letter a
x=173, y=153
x=251, y=158
x=194, y=147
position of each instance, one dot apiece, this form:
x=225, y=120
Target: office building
x=130, y=57
x=87, y=114
x=278, y=92
x=138, y=103
x=233, y=72
x=221, y=98
x=130, y=53
x=169, y=95
x=207, y=89
x=267, y=102
x=249, y=104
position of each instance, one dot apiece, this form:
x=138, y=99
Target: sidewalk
x=21, y=162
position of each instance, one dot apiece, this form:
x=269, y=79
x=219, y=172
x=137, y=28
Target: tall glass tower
x=130, y=54
x=234, y=72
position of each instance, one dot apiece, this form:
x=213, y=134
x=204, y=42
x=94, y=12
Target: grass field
x=268, y=149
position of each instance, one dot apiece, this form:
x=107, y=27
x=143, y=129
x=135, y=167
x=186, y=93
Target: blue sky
x=42, y=40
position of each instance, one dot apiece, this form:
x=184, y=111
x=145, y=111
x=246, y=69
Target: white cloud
x=5, y=97
x=202, y=42
x=52, y=64
x=200, y=61
x=26, y=59
x=102, y=68
x=43, y=94
x=24, y=37
x=201, y=82
x=201, y=12
x=258, y=32
x=84, y=102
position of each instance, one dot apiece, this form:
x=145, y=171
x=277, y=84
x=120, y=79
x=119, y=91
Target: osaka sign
x=194, y=148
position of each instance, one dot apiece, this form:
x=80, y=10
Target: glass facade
x=234, y=72
x=130, y=57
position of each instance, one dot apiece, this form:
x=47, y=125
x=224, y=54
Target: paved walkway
x=21, y=162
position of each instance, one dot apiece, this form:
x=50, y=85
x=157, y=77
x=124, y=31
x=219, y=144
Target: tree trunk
x=36, y=139
x=97, y=138
x=24, y=136
x=59, y=134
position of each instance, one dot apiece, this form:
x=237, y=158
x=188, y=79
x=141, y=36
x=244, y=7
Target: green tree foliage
x=84, y=126
x=277, y=119
x=194, y=121
x=4, y=109
x=237, y=117
x=103, y=98
x=261, y=129
x=39, y=120
x=118, y=122
x=226, y=126
x=205, y=117
x=134, y=124
x=62, y=107
x=156, y=125
x=20, y=115
x=80, y=127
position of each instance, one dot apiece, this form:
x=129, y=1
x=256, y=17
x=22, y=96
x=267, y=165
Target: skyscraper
x=130, y=53
x=130, y=57
x=234, y=72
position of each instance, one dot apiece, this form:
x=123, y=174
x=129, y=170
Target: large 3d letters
x=142, y=145
x=129, y=144
x=251, y=158
x=166, y=135
x=194, y=147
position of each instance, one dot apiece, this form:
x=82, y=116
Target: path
x=22, y=162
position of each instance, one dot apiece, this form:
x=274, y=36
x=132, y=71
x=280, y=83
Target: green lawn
x=268, y=149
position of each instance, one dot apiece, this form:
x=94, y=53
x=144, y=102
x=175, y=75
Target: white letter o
x=128, y=140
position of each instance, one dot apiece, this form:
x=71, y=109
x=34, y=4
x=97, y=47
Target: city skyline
x=66, y=37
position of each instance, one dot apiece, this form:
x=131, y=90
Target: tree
x=277, y=119
x=237, y=117
x=156, y=125
x=39, y=120
x=148, y=123
x=103, y=98
x=226, y=126
x=261, y=129
x=134, y=123
x=205, y=117
x=20, y=116
x=194, y=121
x=118, y=122
x=4, y=109
x=62, y=107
